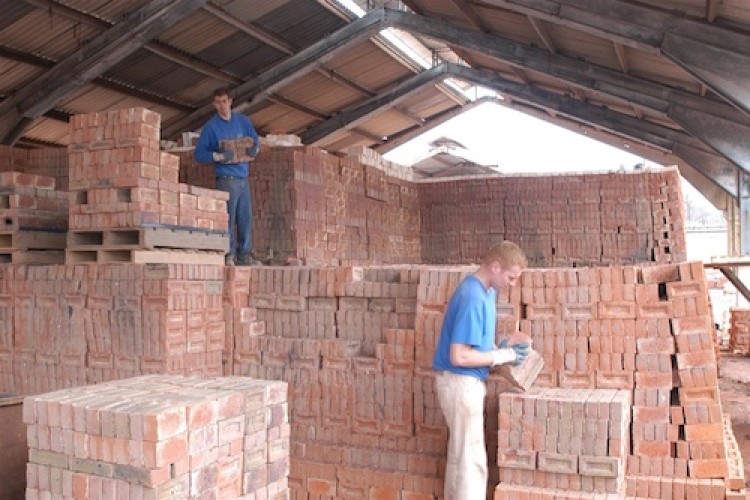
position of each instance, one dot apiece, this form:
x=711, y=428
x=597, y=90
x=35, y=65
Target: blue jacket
x=217, y=129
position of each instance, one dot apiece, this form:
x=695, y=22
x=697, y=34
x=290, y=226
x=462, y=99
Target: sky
x=519, y=143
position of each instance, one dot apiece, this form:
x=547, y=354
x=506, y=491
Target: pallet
x=32, y=256
x=32, y=240
x=147, y=238
x=129, y=256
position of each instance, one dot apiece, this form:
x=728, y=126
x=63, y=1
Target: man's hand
x=502, y=356
x=253, y=151
x=223, y=156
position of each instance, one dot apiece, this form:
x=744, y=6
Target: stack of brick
x=343, y=339
x=561, y=442
x=739, y=331
x=643, y=329
x=119, y=179
x=48, y=162
x=560, y=221
x=72, y=325
x=159, y=437
x=314, y=208
x=33, y=219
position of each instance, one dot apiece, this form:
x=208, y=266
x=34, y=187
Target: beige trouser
x=461, y=398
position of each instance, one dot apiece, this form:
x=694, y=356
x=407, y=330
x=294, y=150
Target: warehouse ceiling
x=667, y=80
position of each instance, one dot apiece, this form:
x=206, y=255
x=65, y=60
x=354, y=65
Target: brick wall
x=560, y=220
x=319, y=208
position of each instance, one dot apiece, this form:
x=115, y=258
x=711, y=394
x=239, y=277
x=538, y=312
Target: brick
x=554, y=462
x=600, y=466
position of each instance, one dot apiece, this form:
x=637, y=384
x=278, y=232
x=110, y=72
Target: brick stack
x=566, y=443
x=72, y=325
x=159, y=437
x=560, y=221
x=47, y=162
x=315, y=208
x=642, y=329
x=739, y=331
x=343, y=338
x=33, y=219
x=119, y=179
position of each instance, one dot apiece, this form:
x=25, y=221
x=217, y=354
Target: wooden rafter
x=712, y=9
x=622, y=57
x=543, y=33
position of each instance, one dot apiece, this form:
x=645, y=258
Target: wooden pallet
x=32, y=240
x=147, y=238
x=130, y=256
x=32, y=256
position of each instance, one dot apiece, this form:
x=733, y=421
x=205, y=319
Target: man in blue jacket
x=464, y=355
x=231, y=175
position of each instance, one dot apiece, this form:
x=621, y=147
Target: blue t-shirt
x=217, y=129
x=469, y=319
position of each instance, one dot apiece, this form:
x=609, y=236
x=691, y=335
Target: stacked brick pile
x=48, y=162
x=33, y=219
x=73, y=325
x=567, y=440
x=643, y=329
x=560, y=221
x=159, y=437
x=119, y=179
x=739, y=331
x=316, y=208
x=343, y=339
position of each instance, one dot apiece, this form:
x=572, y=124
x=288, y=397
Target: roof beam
x=665, y=100
x=288, y=70
x=467, y=9
x=714, y=55
x=155, y=47
x=40, y=62
x=622, y=57
x=645, y=132
x=543, y=34
x=89, y=62
x=316, y=135
x=433, y=121
x=712, y=9
x=715, y=186
x=283, y=47
x=287, y=103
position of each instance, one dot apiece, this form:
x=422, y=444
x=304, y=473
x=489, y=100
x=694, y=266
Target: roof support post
x=744, y=202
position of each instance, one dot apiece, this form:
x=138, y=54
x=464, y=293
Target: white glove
x=502, y=356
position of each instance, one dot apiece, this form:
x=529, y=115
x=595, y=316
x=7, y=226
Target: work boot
x=247, y=260
x=229, y=260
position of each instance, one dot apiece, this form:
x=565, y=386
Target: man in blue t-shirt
x=465, y=353
x=231, y=175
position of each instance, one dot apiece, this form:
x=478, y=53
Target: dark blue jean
x=240, y=211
